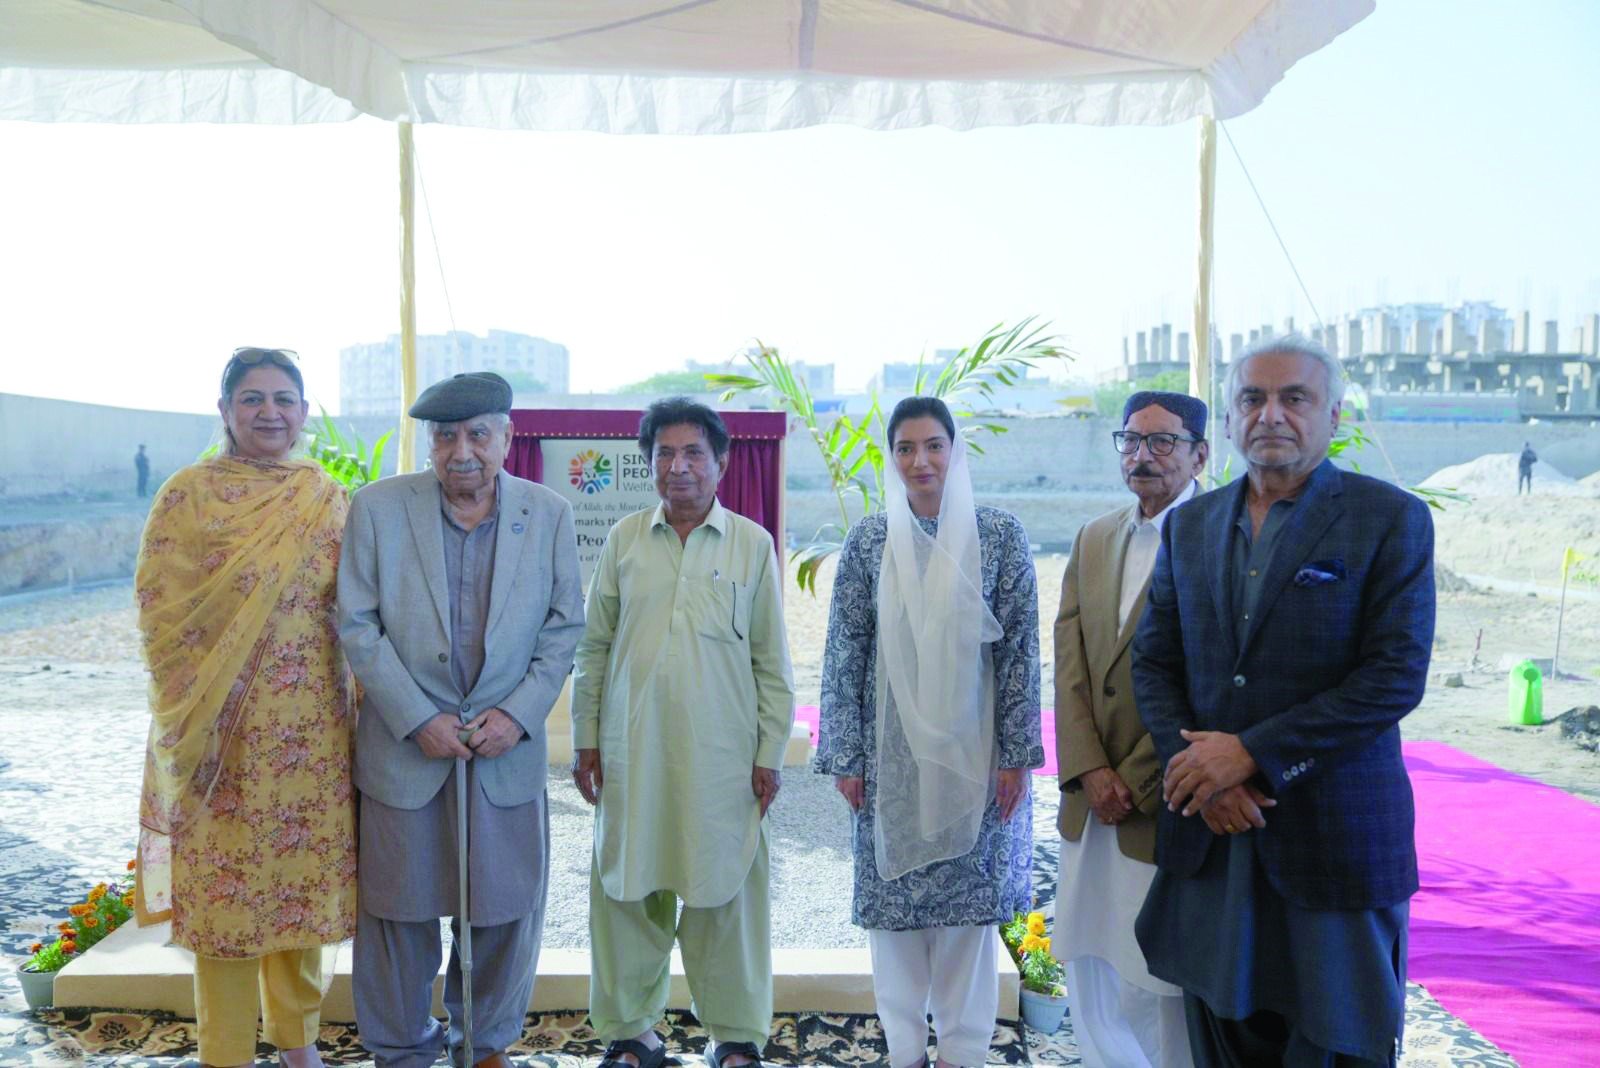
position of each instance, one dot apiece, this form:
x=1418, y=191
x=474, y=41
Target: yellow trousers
x=229, y=995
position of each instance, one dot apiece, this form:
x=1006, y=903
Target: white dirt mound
x=1495, y=475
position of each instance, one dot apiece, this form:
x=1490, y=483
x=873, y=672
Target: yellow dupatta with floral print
x=224, y=539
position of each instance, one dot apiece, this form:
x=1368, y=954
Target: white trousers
x=950, y=970
x=1120, y=1025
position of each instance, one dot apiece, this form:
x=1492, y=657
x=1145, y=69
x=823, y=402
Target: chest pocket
x=722, y=610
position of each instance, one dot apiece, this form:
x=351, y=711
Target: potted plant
x=104, y=909
x=1044, y=999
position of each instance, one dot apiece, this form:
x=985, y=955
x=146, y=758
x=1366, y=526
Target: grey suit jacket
x=394, y=624
x=1097, y=722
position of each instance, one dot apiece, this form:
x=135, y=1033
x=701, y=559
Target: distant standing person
x=141, y=464
x=1525, y=464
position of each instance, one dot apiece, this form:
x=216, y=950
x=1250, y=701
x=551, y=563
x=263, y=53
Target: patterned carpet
x=67, y=809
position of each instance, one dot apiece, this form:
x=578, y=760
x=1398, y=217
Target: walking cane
x=463, y=916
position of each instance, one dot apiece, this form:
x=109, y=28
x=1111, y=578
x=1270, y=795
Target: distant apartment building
x=369, y=374
x=1425, y=360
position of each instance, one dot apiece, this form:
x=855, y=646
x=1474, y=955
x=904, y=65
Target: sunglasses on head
x=249, y=356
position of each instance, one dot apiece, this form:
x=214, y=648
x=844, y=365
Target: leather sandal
x=714, y=1057
x=648, y=1058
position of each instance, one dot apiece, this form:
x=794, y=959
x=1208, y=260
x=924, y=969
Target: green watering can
x=1525, y=695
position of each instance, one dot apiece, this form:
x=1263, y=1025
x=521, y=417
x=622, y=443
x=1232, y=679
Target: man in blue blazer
x=1288, y=629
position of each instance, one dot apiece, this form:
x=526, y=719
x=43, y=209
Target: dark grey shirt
x=469, y=572
x=1249, y=560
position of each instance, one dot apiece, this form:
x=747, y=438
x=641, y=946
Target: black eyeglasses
x=1128, y=442
x=250, y=356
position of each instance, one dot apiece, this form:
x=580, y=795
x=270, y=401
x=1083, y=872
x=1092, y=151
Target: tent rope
x=1372, y=427
x=438, y=256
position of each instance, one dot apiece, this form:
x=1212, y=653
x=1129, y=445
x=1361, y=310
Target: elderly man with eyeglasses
x=1110, y=774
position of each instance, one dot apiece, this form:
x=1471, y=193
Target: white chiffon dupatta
x=936, y=753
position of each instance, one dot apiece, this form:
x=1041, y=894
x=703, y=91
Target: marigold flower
x=1044, y=944
x=36, y=947
x=66, y=929
x=69, y=946
x=1030, y=943
x=127, y=899
x=78, y=910
x=133, y=865
x=1035, y=923
x=98, y=892
x=91, y=921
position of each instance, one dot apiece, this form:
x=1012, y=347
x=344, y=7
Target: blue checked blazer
x=1337, y=653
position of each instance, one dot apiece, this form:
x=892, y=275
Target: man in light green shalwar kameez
x=681, y=708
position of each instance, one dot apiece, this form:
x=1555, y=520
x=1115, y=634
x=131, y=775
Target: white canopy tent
x=662, y=66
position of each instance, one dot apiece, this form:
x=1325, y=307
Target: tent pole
x=1200, y=384
x=406, y=460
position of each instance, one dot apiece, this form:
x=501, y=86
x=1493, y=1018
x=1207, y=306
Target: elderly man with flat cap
x=459, y=609
x=1122, y=1016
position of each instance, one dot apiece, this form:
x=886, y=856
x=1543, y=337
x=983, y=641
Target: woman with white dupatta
x=930, y=722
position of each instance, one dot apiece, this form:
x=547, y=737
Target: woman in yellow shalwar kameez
x=247, y=836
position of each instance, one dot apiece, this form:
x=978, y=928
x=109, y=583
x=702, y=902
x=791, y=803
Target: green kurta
x=683, y=682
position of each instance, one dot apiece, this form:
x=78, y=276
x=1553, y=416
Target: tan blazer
x=1097, y=725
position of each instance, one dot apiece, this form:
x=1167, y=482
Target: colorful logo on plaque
x=590, y=471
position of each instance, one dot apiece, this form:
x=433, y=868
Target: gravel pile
x=1495, y=475
x=1447, y=581
x=1581, y=727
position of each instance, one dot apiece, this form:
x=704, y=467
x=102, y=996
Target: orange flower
x=69, y=946
x=132, y=865
x=78, y=910
x=127, y=899
x=66, y=929
x=97, y=893
x=91, y=921
x=36, y=947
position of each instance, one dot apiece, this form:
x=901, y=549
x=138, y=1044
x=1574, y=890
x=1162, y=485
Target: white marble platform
x=135, y=968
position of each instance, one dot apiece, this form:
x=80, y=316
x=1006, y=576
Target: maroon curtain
x=751, y=486
x=526, y=459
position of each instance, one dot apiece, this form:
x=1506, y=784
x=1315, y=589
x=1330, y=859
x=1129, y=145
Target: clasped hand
x=1107, y=795
x=490, y=733
x=1213, y=761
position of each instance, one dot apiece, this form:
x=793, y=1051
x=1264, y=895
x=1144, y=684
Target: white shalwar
x=950, y=970
x=1122, y=1016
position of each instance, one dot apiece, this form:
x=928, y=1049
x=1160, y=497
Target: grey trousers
x=393, y=968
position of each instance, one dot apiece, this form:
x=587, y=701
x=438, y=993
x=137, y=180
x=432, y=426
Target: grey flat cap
x=462, y=397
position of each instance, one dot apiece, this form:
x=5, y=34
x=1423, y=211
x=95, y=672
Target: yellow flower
x=1036, y=923
x=127, y=899
x=77, y=910
x=1044, y=944
x=91, y=921
x=97, y=893
x=1030, y=943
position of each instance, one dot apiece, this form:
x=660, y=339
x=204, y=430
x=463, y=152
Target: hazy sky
x=1441, y=150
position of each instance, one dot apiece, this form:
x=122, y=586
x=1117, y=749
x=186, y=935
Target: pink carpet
x=1505, y=931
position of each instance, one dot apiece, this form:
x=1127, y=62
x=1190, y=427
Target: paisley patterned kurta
x=268, y=860
x=993, y=881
